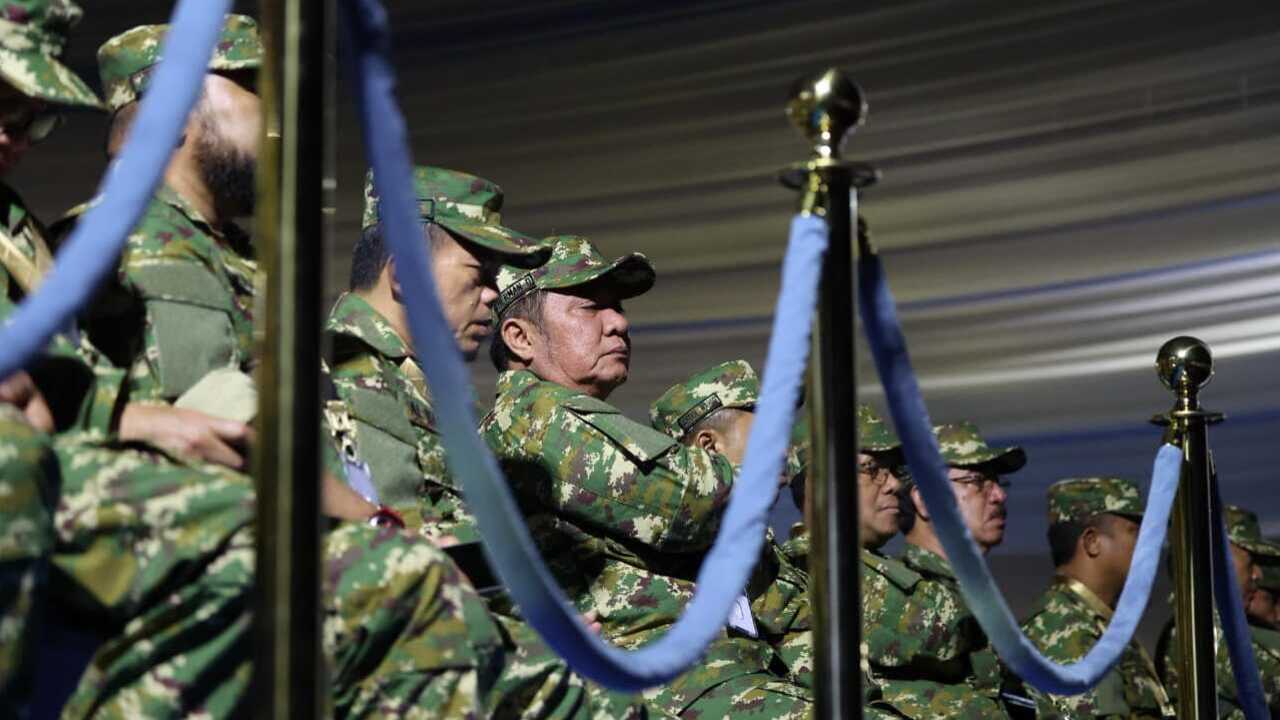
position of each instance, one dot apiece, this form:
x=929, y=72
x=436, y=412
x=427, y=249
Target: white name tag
x=740, y=617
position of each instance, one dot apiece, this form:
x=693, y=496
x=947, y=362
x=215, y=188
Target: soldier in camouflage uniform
x=33, y=83
x=404, y=633
x=1093, y=529
x=1247, y=544
x=383, y=417
x=623, y=514
x=927, y=649
x=1262, y=626
x=714, y=410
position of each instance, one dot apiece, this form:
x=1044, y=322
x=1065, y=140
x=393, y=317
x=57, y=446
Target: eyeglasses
x=878, y=472
x=33, y=122
x=981, y=481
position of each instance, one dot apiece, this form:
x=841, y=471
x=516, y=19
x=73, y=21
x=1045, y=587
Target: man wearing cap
x=952, y=671
x=404, y=633
x=383, y=420
x=1247, y=544
x=622, y=513
x=714, y=410
x=1261, y=611
x=1093, y=530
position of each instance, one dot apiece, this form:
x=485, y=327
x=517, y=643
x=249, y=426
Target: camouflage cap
x=874, y=436
x=732, y=384
x=575, y=261
x=125, y=61
x=1076, y=500
x=962, y=446
x=33, y=34
x=1243, y=530
x=469, y=207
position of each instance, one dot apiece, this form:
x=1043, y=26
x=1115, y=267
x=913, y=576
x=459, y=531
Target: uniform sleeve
x=83, y=389
x=603, y=470
x=921, y=630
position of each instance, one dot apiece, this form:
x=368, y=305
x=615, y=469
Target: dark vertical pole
x=289, y=673
x=825, y=107
x=1185, y=365
x=834, y=544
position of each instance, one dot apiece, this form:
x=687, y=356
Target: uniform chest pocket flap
x=382, y=412
x=190, y=315
x=641, y=442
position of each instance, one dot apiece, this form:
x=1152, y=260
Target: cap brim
x=46, y=79
x=1263, y=547
x=1002, y=461
x=516, y=248
x=630, y=275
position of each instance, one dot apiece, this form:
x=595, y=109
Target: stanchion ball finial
x=824, y=107
x=1184, y=364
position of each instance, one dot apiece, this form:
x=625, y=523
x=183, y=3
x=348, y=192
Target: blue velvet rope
x=1235, y=628
x=889, y=349
x=94, y=247
x=510, y=550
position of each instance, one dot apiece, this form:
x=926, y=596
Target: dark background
x=1066, y=185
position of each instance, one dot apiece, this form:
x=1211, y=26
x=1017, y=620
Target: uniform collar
x=927, y=560
x=514, y=381
x=172, y=197
x=1087, y=596
x=354, y=317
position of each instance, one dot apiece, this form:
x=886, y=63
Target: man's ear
x=707, y=440
x=520, y=337
x=1091, y=541
x=393, y=281
x=921, y=511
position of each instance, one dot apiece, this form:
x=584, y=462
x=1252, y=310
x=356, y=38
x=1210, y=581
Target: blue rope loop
x=507, y=544
x=911, y=418
x=1235, y=627
x=95, y=244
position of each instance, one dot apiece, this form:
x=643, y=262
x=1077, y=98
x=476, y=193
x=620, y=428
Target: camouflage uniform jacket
x=1266, y=649
x=182, y=301
x=382, y=389
x=1066, y=622
x=622, y=514
x=925, y=647
x=83, y=390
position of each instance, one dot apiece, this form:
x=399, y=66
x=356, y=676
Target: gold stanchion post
x=825, y=107
x=293, y=164
x=1185, y=365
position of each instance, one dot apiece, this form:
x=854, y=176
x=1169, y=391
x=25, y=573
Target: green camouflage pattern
x=381, y=387
x=574, y=261
x=874, y=436
x=383, y=392
x=1266, y=651
x=732, y=384
x=470, y=207
x=125, y=61
x=796, y=548
x=1243, y=530
x=33, y=34
x=622, y=515
x=1076, y=500
x=779, y=595
x=1065, y=623
x=962, y=446
x=925, y=649
x=1167, y=654
x=167, y=551
x=181, y=303
x=28, y=477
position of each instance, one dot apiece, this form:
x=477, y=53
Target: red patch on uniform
x=16, y=13
x=186, y=232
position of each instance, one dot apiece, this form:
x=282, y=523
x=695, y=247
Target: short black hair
x=529, y=307
x=370, y=255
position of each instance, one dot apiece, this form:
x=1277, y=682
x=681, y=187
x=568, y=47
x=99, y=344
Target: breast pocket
x=189, y=323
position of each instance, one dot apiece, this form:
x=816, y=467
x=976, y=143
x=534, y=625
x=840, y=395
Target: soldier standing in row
x=383, y=417
x=953, y=672
x=622, y=513
x=714, y=410
x=1093, y=529
x=1261, y=611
